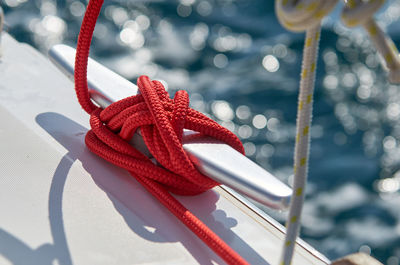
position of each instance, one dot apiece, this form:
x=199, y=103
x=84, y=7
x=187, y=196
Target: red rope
x=161, y=121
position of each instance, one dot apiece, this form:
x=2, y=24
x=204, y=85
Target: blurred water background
x=242, y=68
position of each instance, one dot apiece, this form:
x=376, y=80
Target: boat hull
x=60, y=202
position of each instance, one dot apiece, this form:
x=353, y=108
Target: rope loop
x=300, y=15
x=358, y=12
x=361, y=13
x=161, y=121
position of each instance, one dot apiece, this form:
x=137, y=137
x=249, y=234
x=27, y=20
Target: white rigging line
x=306, y=15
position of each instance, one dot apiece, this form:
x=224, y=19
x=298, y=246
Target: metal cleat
x=213, y=158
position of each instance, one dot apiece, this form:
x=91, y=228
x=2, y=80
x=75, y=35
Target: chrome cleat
x=211, y=157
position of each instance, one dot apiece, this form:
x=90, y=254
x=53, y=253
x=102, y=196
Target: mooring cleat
x=211, y=157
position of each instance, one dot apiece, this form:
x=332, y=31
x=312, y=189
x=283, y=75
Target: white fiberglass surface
x=60, y=203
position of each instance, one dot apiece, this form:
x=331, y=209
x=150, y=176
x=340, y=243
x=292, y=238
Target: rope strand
x=300, y=15
x=302, y=146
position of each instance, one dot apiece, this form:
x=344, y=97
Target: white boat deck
x=60, y=204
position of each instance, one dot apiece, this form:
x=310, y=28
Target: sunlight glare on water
x=242, y=68
x=270, y=63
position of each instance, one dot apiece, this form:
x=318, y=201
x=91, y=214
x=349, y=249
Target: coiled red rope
x=161, y=121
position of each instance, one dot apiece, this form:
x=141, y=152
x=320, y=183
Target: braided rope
x=302, y=146
x=358, y=12
x=302, y=15
x=161, y=121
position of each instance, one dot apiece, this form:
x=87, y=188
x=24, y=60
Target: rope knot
x=300, y=15
x=359, y=12
x=161, y=122
x=151, y=112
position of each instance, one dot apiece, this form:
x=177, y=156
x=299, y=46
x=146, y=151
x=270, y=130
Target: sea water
x=242, y=68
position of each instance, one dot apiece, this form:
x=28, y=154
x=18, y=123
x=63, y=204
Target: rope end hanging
x=306, y=16
x=82, y=54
